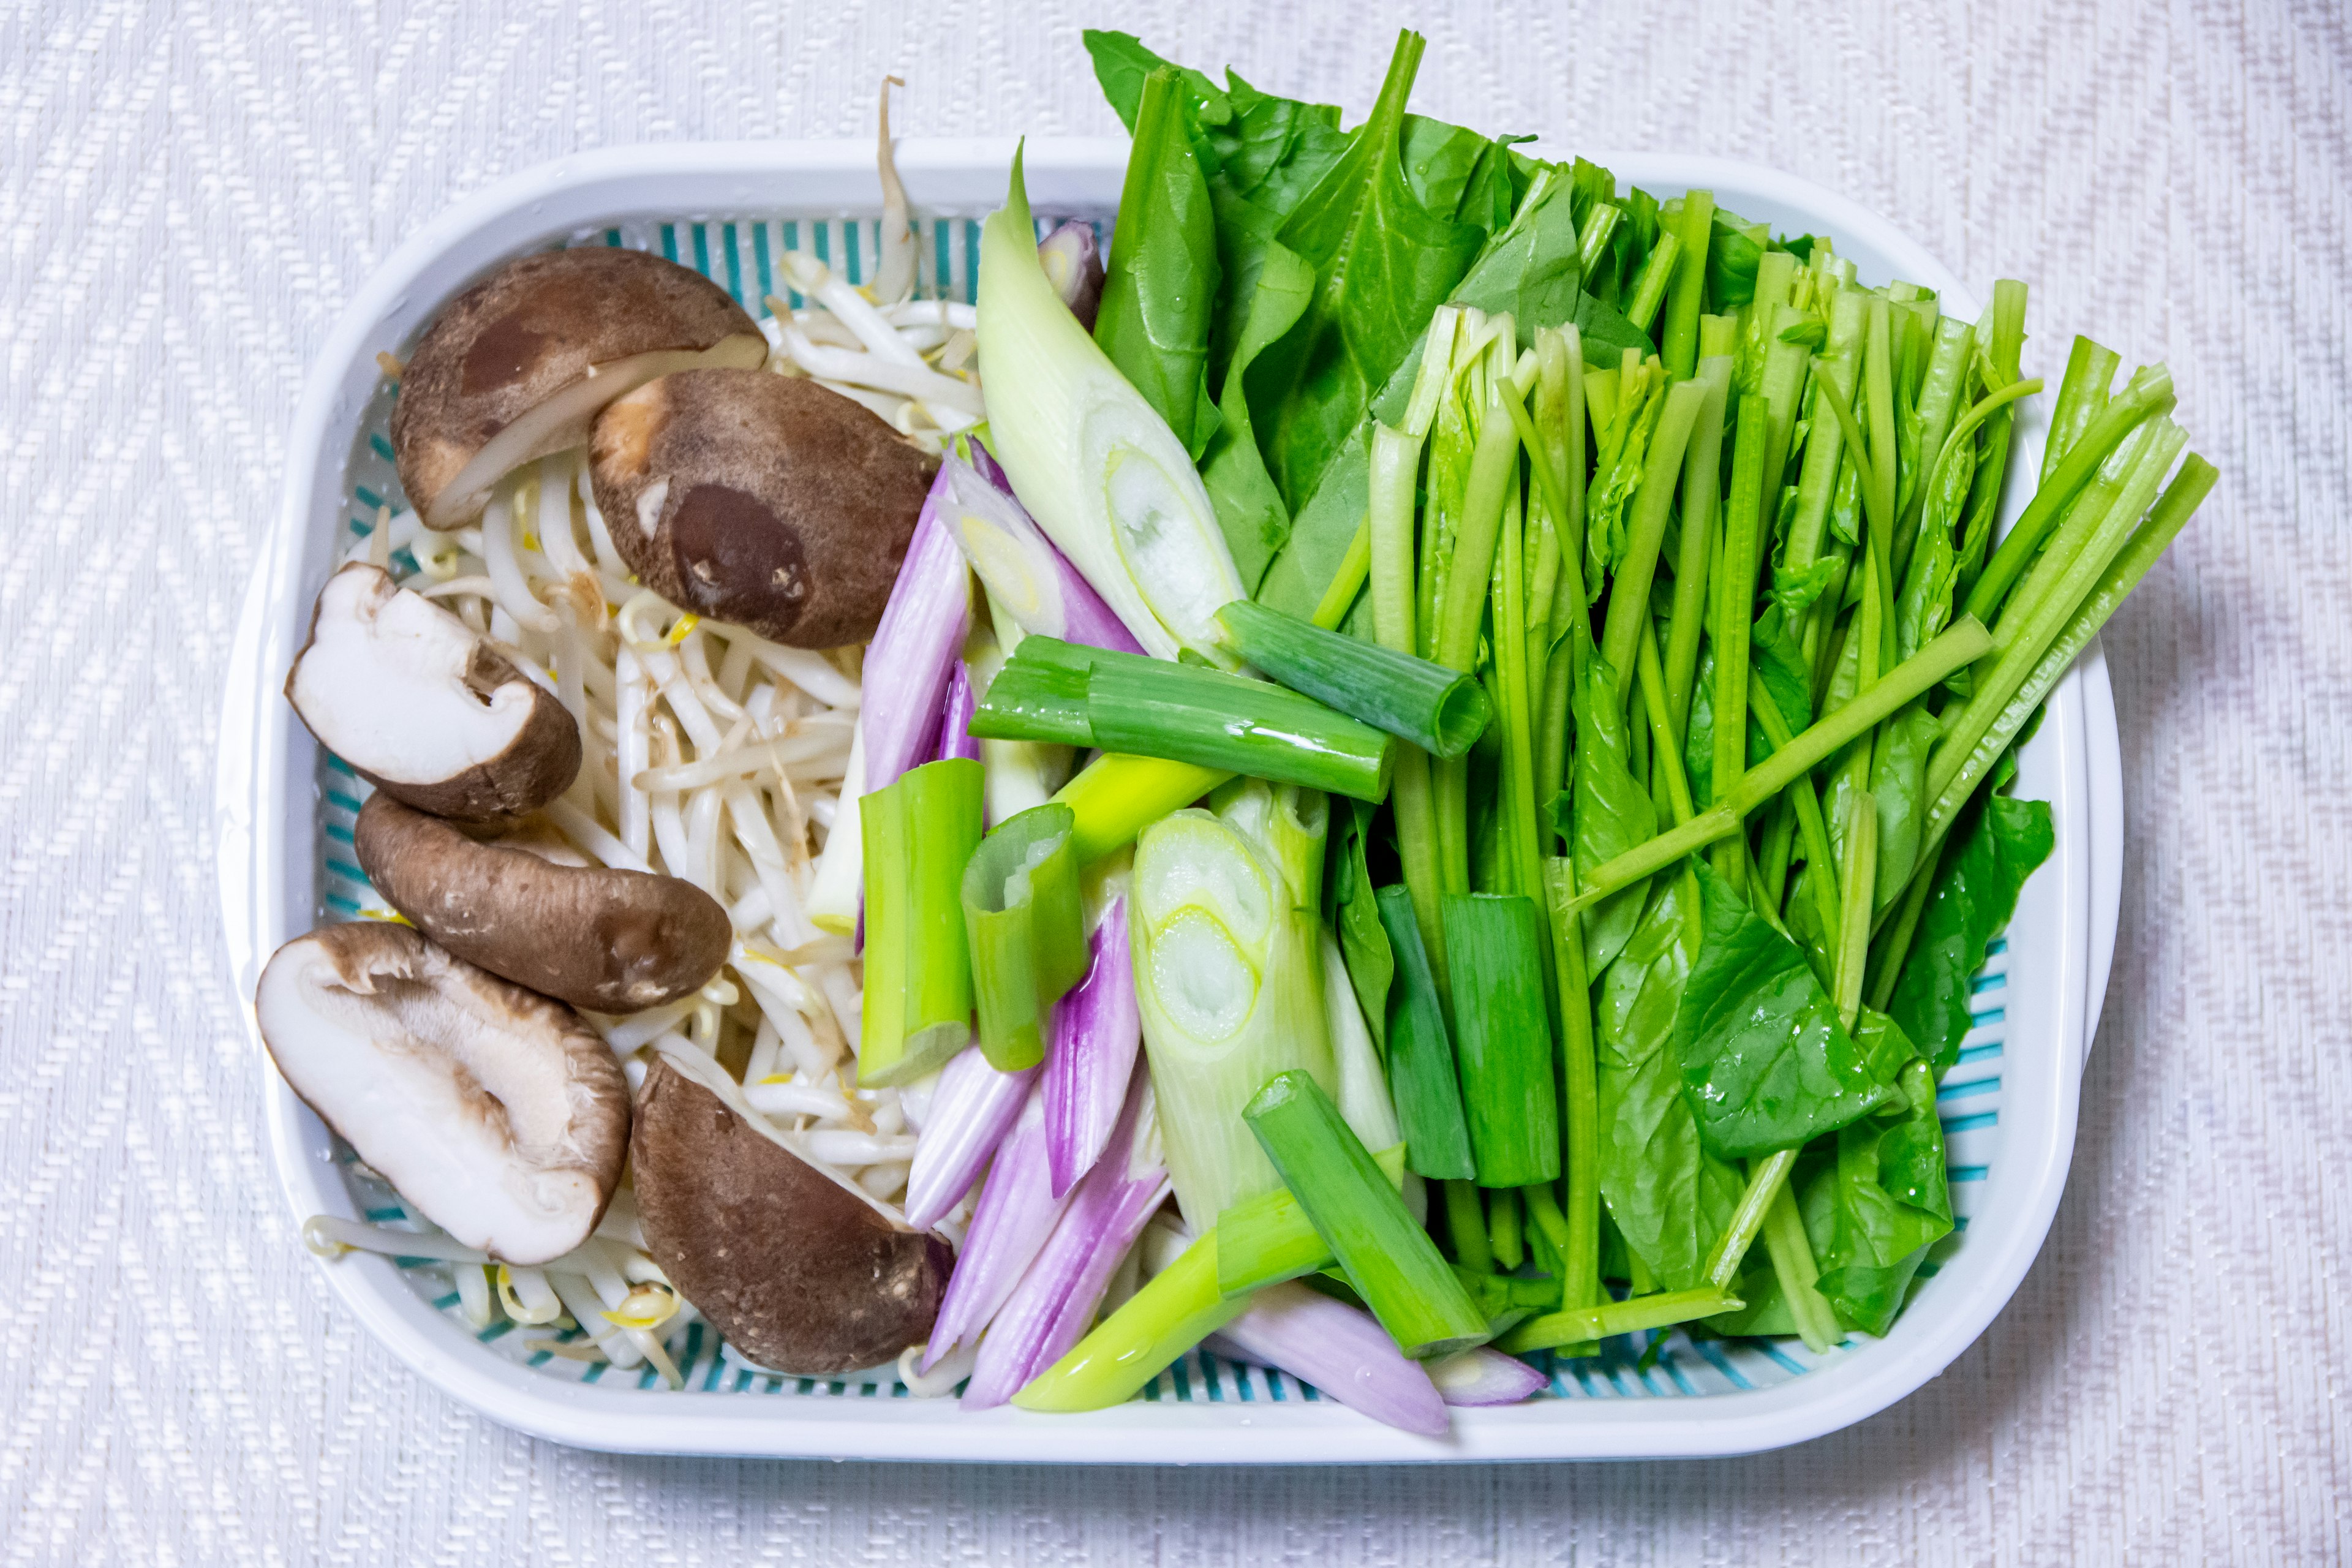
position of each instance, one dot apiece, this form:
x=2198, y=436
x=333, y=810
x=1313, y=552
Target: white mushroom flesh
x=474, y=1108
x=383, y=684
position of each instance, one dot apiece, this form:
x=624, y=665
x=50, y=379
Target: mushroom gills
x=606, y=938
x=425, y=708
x=492, y=1110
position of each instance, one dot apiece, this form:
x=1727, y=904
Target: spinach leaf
x=1610, y=813
x=1250, y=509
x=1351, y=905
x=1992, y=853
x=1382, y=262
x=1766, y=1063
x=1161, y=279
x=1669, y=1196
x=1890, y=1203
x=1898, y=781
x=1733, y=250
x=1122, y=65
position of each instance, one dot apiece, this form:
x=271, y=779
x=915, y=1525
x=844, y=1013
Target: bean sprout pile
x=709, y=754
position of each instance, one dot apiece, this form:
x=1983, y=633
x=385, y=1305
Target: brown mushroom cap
x=517, y=365
x=609, y=940
x=762, y=500
x=494, y=1110
x=426, y=709
x=800, y=1273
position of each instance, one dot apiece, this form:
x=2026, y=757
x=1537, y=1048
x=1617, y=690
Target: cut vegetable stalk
x=1388, y=1257
x=1502, y=1037
x=1964, y=642
x=1016, y=1213
x=1628, y=593
x=914, y=649
x=1114, y=798
x=1440, y=710
x=919, y=833
x=1229, y=985
x=1054, y=1302
x=1339, y=1350
x=1026, y=930
x=1423, y=1081
x=1101, y=472
x=1034, y=582
x=972, y=1110
x=1267, y=1238
x=1173, y=1311
x=1096, y=1034
x=1581, y=1325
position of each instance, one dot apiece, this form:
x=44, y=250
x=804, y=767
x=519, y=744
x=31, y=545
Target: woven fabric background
x=189, y=192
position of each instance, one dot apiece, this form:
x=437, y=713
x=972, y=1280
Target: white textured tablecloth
x=189, y=192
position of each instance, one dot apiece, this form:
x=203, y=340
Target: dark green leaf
x=1898, y=781
x=1669, y=1195
x=1612, y=813
x=1891, y=1204
x=1764, y=1058
x=1994, y=850
x=1354, y=913
x=1160, y=284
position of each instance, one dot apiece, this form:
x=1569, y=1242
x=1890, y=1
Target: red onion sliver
x=1055, y=1302
x=1096, y=1033
x=1016, y=1214
x=1483, y=1375
x=971, y=1111
x=1342, y=1352
x=1029, y=577
x=913, y=654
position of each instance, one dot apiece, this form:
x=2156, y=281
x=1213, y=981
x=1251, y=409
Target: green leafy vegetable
x=1975, y=890
x=1160, y=286
x=1765, y=1060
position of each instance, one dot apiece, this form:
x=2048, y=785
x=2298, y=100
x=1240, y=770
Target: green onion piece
x=1964, y=642
x=1229, y=985
x=1578, y=1325
x=1114, y=798
x=1440, y=710
x=1027, y=926
x=917, y=832
x=1177, y=1309
x=1035, y=698
x=1389, y=1258
x=1152, y=707
x=1503, y=1036
x=1422, y=1079
x=1268, y=1239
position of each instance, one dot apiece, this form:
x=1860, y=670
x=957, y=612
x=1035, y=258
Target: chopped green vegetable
x=1439, y=709
x=1176, y=1309
x=1388, y=1257
x=1421, y=1077
x=1493, y=945
x=918, y=832
x=1268, y=1239
x=1027, y=932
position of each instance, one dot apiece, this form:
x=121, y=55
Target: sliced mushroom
x=608, y=940
x=801, y=1272
x=424, y=708
x=492, y=1110
x=517, y=365
x=763, y=500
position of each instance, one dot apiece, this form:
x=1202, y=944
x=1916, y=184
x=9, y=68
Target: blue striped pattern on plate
x=742, y=255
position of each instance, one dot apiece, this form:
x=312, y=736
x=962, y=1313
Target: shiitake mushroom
x=763, y=500
x=519, y=364
x=602, y=938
